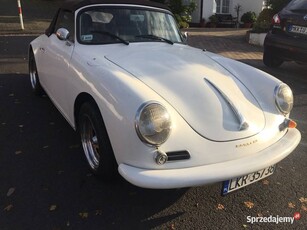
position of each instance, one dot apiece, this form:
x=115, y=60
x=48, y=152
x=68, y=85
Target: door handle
x=42, y=49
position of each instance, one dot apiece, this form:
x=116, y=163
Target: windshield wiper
x=154, y=37
x=111, y=35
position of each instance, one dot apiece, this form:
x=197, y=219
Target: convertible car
x=159, y=112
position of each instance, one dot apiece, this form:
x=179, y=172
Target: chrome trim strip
x=243, y=125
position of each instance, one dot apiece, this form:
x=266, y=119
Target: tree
x=277, y=5
x=263, y=22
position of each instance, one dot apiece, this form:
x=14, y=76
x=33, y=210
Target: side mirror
x=185, y=37
x=62, y=34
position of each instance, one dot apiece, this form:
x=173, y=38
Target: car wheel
x=96, y=143
x=270, y=60
x=36, y=86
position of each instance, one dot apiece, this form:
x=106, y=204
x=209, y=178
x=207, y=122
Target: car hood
x=212, y=101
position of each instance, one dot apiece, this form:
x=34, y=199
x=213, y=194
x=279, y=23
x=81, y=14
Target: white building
x=206, y=8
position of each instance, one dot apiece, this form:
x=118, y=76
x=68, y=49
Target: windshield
x=104, y=25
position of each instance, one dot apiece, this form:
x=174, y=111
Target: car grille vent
x=178, y=155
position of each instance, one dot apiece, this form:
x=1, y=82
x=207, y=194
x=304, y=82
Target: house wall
x=196, y=13
x=248, y=5
x=209, y=7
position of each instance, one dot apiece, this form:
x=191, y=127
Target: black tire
x=34, y=79
x=95, y=142
x=271, y=60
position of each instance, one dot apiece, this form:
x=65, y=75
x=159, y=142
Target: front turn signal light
x=288, y=123
x=292, y=124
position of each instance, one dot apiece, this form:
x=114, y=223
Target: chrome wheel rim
x=33, y=74
x=90, y=143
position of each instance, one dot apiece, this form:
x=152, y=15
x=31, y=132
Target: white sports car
x=163, y=114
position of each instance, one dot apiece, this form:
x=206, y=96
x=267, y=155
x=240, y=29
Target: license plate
x=242, y=181
x=298, y=29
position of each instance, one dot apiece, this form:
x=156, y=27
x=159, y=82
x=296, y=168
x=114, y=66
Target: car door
x=57, y=56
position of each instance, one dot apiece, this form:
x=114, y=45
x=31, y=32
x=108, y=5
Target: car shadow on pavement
x=42, y=162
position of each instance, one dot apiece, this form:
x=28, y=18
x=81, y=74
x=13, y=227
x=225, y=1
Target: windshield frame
x=121, y=6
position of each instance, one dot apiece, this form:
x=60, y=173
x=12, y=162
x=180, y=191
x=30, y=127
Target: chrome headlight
x=153, y=123
x=284, y=98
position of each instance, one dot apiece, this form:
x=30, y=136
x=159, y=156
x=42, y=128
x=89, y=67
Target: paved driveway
x=227, y=42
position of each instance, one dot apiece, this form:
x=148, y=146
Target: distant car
x=287, y=39
x=163, y=114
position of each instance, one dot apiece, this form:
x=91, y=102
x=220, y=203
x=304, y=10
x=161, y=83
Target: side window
x=66, y=20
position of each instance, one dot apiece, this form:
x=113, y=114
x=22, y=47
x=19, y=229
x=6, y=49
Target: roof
x=73, y=5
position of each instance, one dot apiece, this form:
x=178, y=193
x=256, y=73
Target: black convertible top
x=73, y=5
